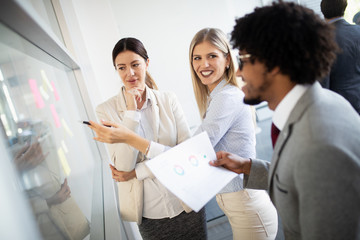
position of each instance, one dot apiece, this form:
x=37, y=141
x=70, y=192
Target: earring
x=227, y=67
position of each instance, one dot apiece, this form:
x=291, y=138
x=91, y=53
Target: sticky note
x=66, y=127
x=63, y=145
x=55, y=116
x=46, y=80
x=56, y=94
x=35, y=91
x=44, y=93
x=64, y=162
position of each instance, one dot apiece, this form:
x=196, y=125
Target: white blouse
x=158, y=201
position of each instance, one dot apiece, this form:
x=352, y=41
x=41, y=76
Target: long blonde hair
x=217, y=38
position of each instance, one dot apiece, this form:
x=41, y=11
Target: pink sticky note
x=55, y=92
x=34, y=89
x=55, y=116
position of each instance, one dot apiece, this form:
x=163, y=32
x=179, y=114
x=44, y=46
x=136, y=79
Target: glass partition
x=45, y=10
x=55, y=159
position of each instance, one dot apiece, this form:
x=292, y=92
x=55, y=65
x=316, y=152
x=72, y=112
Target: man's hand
x=232, y=162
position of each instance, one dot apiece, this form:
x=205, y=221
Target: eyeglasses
x=240, y=60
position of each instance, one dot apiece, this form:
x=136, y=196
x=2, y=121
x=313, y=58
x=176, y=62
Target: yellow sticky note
x=43, y=93
x=64, y=146
x=66, y=128
x=46, y=80
x=64, y=162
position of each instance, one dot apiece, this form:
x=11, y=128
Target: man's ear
x=274, y=71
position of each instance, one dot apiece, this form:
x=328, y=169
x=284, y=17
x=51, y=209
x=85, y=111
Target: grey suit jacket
x=344, y=77
x=314, y=176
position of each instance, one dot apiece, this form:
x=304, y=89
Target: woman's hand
x=30, y=156
x=110, y=132
x=133, y=96
x=61, y=195
x=121, y=176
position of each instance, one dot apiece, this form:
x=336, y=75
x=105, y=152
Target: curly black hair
x=289, y=36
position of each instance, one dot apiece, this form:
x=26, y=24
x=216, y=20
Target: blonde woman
x=229, y=124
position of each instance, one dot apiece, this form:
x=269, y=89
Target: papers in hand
x=185, y=171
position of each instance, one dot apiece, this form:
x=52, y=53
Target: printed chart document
x=185, y=171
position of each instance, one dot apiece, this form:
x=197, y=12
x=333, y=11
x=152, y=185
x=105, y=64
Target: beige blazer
x=170, y=129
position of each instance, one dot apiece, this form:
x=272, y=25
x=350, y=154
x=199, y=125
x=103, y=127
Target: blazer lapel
x=121, y=103
x=301, y=106
x=155, y=112
x=280, y=143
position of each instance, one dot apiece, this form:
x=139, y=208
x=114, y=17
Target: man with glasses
x=314, y=176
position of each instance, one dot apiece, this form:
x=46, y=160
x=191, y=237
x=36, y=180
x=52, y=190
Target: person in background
x=154, y=117
x=344, y=77
x=356, y=18
x=314, y=175
x=229, y=124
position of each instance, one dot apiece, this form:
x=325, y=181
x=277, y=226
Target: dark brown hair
x=136, y=46
x=333, y=8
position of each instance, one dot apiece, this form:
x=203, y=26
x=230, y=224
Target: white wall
x=166, y=28
x=92, y=32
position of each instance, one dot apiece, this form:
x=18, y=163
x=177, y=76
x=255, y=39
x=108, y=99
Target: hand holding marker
x=88, y=123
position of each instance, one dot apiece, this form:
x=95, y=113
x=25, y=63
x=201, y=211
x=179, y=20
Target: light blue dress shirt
x=229, y=124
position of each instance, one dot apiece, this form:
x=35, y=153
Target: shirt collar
x=147, y=97
x=287, y=104
x=218, y=88
x=335, y=19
